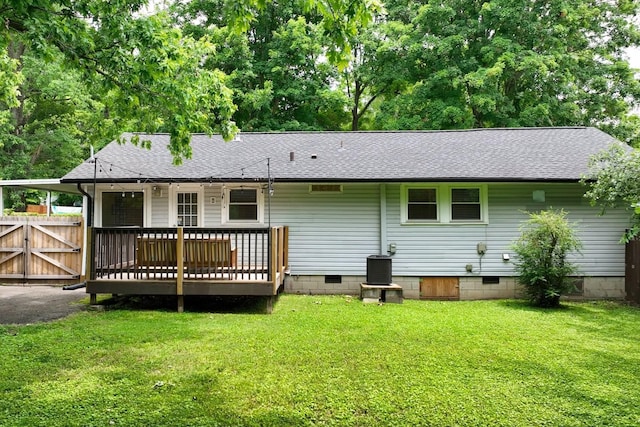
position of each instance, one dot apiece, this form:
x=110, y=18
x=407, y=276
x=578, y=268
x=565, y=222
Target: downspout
x=383, y=220
x=89, y=205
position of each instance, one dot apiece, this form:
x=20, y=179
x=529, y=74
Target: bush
x=542, y=248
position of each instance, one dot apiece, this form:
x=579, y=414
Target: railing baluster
x=209, y=253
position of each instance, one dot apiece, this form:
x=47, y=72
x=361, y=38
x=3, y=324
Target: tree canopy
x=613, y=182
x=148, y=74
x=507, y=63
x=217, y=66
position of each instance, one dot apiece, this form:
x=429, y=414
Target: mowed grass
x=328, y=361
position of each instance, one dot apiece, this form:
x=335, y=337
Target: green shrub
x=542, y=248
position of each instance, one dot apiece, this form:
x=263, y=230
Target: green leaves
x=546, y=240
x=510, y=64
x=613, y=182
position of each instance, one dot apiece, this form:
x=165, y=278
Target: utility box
x=379, y=270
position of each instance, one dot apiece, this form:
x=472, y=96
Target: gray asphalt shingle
x=530, y=154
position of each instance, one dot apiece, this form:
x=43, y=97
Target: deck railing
x=239, y=254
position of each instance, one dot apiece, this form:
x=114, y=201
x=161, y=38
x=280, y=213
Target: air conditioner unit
x=379, y=270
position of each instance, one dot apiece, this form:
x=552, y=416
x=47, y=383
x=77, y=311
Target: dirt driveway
x=24, y=304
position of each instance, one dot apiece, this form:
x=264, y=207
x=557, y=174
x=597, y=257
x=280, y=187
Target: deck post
x=285, y=247
x=273, y=241
x=180, y=269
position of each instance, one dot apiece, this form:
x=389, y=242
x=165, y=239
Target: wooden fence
x=632, y=271
x=41, y=249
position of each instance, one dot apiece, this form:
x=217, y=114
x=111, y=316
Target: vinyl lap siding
x=435, y=250
x=430, y=250
x=601, y=255
x=333, y=233
x=159, y=208
x=212, y=211
x=329, y=233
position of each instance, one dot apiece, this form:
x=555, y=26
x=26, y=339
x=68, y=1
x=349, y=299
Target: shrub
x=542, y=248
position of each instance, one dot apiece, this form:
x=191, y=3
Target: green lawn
x=328, y=361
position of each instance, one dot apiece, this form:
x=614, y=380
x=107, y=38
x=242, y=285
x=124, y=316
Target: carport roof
x=53, y=184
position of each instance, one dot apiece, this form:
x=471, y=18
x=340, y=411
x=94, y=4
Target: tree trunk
x=15, y=50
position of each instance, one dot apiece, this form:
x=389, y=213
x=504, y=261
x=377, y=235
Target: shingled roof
x=518, y=154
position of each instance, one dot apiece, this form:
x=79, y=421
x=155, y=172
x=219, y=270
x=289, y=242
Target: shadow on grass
x=574, y=306
x=192, y=304
x=525, y=305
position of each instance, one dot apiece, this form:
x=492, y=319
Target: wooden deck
x=146, y=261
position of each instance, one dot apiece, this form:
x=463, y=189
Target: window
x=123, y=208
x=187, y=209
x=422, y=204
x=465, y=204
x=443, y=204
x=243, y=205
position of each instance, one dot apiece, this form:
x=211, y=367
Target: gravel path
x=25, y=304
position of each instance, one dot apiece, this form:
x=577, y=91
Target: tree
x=507, y=63
x=52, y=124
x=613, y=182
x=149, y=74
x=277, y=70
x=377, y=68
x=542, y=249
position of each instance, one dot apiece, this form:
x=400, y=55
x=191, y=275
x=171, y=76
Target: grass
x=328, y=361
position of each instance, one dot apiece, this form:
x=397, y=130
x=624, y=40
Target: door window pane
x=187, y=209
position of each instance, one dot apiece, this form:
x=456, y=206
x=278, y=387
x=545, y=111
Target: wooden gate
x=41, y=249
x=632, y=271
x=440, y=288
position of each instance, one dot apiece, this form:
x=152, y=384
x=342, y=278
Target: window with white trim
x=443, y=204
x=243, y=205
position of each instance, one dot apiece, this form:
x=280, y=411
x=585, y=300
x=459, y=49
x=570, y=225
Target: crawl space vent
x=325, y=188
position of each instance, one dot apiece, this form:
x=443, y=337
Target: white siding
x=212, y=215
x=329, y=233
x=432, y=250
x=333, y=233
x=159, y=206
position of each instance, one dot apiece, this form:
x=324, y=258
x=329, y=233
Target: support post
x=273, y=241
x=89, y=262
x=180, y=269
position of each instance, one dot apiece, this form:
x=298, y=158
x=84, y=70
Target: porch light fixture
x=506, y=257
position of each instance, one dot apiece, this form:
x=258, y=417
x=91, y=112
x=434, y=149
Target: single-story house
x=318, y=212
